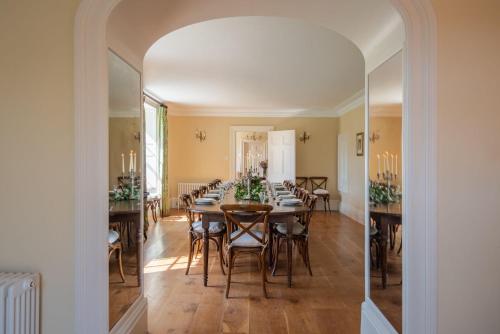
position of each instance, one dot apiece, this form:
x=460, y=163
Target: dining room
x=229, y=204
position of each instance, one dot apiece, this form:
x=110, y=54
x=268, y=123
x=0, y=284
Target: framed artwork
x=360, y=144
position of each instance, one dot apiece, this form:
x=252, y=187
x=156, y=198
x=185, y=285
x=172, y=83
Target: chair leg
x=191, y=251
x=308, y=259
x=228, y=284
x=275, y=265
x=262, y=261
x=120, y=264
x=221, y=256
x=328, y=201
x=324, y=200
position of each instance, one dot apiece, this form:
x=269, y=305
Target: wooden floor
x=328, y=302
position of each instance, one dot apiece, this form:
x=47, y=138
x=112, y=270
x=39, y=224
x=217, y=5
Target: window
x=153, y=174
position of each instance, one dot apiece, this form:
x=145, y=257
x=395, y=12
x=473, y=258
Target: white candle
x=135, y=161
x=396, y=172
x=378, y=162
x=385, y=169
x=131, y=161
x=392, y=163
x=123, y=163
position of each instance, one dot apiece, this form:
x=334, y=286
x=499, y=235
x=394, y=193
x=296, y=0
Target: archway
x=420, y=283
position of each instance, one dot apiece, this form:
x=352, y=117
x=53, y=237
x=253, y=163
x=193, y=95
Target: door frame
x=420, y=145
x=232, y=142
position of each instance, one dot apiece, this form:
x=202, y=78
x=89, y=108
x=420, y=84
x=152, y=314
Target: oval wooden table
x=279, y=214
x=384, y=216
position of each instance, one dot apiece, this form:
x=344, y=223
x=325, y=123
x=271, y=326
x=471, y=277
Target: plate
x=211, y=195
x=205, y=201
x=291, y=202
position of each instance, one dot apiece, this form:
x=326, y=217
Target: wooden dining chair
x=216, y=231
x=318, y=188
x=115, y=245
x=300, y=235
x=203, y=190
x=194, y=194
x=301, y=181
x=247, y=232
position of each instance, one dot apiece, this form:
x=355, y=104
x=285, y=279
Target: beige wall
x=353, y=202
x=468, y=165
x=121, y=140
x=37, y=150
x=192, y=161
x=389, y=130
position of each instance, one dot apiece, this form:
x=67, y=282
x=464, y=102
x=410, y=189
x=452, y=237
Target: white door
x=281, y=155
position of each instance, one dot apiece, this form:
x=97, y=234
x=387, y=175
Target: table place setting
x=291, y=202
x=205, y=201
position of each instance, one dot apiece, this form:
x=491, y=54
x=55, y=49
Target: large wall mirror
x=385, y=96
x=125, y=187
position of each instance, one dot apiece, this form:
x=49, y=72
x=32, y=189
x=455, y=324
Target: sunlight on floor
x=169, y=263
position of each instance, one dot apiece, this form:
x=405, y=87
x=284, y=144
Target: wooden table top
x=229, y=199
x=121, y=207
x=393, y=209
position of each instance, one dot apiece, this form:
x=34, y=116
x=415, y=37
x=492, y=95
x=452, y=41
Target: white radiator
x=19, y=303
x=186, y=188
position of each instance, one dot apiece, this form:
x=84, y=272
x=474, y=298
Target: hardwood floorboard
x=328, y=302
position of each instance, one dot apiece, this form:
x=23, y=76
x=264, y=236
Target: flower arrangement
x=380, y=193
x=125, y=192
x=244, y=191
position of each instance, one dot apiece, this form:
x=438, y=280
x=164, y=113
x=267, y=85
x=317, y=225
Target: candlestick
x=378, y=162
x=131, y=161
x=123, y=163
x=396, y=172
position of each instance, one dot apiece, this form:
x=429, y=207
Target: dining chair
x=247, y=232
x=115, y=245
x=301, y=181
x=203, y=190
x=300, y=235
x=216, y=231
x=194, y=194
x=318, y=188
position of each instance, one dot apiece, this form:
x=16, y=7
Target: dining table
x=385, y=216
x=128, y=213
x=279, y=214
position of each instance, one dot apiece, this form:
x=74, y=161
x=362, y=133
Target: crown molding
x=347, y=105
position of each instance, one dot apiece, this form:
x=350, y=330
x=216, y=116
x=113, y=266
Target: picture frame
x=360, y=144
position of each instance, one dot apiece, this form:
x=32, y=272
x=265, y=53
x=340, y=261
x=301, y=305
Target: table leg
x=205, y=253
x=289, y=227
x=384, y=226
x=270, y=246
x=138, y=255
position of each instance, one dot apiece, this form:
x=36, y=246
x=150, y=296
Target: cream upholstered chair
x=318, y=185
x=216, y=231
x=115, y=245
x=247, y=232
x=300, y=235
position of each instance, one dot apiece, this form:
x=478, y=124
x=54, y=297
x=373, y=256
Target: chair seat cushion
x=113, y=236
x=320, y=192
x=246, y=240
x=214, y=227
x=298, y=228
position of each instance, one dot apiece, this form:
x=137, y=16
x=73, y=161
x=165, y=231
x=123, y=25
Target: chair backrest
x=187, y=200
x=243, y=218
x=318, y=182
x=195, y=194
x=301, y=181
x=203, y=190
x=311, y=204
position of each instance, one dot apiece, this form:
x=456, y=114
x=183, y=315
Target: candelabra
x=388, y=177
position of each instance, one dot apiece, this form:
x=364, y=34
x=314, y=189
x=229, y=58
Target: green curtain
x=163, y=154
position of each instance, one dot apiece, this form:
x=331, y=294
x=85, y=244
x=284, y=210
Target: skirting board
x=334, y=204
x=134, y=321
x=352, y=212
x=373, y=321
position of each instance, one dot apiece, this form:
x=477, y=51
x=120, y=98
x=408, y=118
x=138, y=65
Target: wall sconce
x=304, y=137
x=374, y=137
x=137, y=136
x=200, y=135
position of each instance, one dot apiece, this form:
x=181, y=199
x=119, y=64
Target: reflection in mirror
x=124, y=246
x=251, y=151
x=385, y=188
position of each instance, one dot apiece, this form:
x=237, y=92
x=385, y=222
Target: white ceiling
x=124, y=88
x=255, y=65
x=386, y=83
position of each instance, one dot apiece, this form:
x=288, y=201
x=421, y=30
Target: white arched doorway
x=419, y=283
